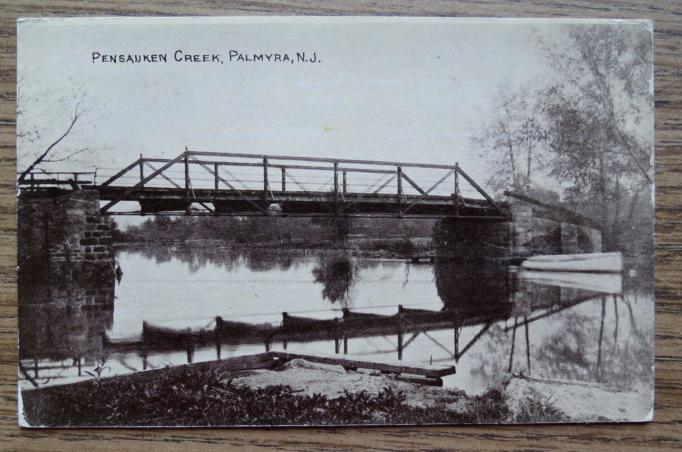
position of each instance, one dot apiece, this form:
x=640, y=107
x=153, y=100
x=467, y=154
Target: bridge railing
x=181, y=173
x=38, y=179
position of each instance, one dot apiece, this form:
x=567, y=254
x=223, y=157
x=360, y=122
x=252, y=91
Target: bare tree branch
x=67, y=157
x=42, y=156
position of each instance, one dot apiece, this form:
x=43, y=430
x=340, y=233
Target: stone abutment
x=65, y=252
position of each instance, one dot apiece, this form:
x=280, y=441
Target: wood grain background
x=665, y=432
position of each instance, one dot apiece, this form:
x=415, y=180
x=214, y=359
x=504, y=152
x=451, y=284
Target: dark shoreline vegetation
x=382, y=237
x=362, y=237
x=208, y=398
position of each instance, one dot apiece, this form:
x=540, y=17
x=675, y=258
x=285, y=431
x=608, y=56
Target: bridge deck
x=231, y=202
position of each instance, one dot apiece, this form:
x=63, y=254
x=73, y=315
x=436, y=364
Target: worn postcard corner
x=334, y=221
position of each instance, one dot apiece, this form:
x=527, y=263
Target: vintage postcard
x=334, y=221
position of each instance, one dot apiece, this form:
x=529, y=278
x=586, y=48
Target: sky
x=404, y=89
x=411, y=90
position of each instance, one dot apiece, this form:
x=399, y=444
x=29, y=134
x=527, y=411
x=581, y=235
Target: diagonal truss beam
x=410, y=340
x=141, y=183
x=439, y=344
x=479, y=189
x=176, y=185
x=367, y=194
x=120, y=173
x=194, y=197
x=150, y=166
x=382, y=186
x=556, y=310
x=426, y=193
x=303, y=189
x=413, y=183
x=232, y=187
x=474, y=339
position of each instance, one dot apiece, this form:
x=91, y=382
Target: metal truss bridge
x=217, y=183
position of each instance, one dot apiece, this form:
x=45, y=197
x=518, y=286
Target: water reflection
x=61, y=321
x=488, y=320
x=473, y=288
x=198, y=256
x=335, y=273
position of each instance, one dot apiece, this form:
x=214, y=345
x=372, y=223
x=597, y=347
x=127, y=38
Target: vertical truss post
x=217, y=177
x=456, y=338
x=344, y=183
x=400, y=332
x=601, y=335
x=456, y=189
x=284, y=179
x=336, y=188
x=33, y=182
x=525, y=320
x=266, y=184
x=141, y=169
x=513, y=344
x=188, y=198
x=399, y=173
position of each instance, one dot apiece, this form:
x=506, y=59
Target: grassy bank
x=201, y=397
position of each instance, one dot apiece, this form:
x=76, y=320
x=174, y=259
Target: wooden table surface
x=664, y=432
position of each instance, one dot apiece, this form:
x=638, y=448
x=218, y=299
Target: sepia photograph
x=329, y=221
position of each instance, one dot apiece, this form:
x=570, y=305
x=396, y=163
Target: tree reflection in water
x=573, y=350
x=566, y=345
x=336, y=273
x=221, y=255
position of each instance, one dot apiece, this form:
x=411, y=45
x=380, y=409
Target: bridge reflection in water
x=477, y=307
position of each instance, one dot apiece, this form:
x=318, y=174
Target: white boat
x=611, y=283
x=591, y=262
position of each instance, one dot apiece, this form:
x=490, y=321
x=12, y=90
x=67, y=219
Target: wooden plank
x=432, y=371
x=240, y=363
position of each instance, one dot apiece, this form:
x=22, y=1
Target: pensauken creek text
x=181, y=56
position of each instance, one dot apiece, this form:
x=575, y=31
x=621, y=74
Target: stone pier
x=534, y=233
x=531, y=231
x=64, y=250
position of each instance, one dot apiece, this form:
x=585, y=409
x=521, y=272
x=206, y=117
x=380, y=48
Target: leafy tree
x=512, y=139
x=599, y=122
x=589, y=130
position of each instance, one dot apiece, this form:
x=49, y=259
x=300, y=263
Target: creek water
x=592, y=328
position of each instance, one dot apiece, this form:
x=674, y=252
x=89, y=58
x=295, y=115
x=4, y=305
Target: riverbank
x=299, y=393
x=367, y=248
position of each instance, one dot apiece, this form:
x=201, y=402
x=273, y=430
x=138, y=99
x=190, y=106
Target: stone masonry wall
x=522, y=228
x=65, y=252
x=534, y=235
